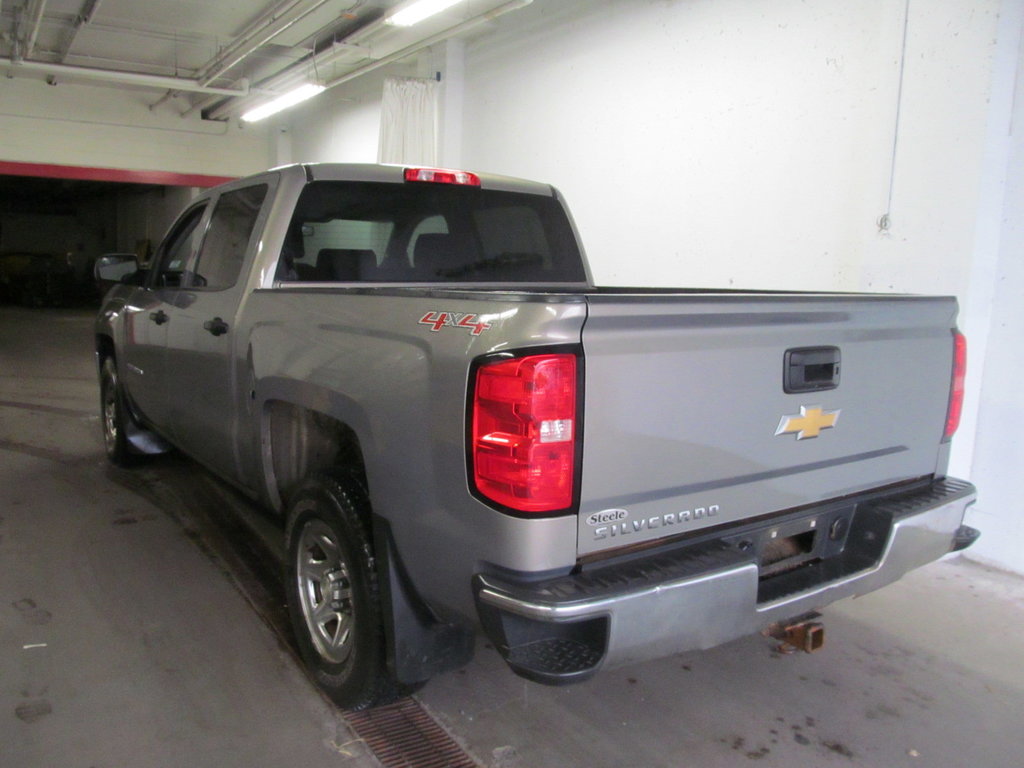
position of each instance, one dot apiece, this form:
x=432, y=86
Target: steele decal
x=622, y=527
x=607, y=516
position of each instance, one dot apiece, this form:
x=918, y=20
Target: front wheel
x=114, y=416
x=333, y=594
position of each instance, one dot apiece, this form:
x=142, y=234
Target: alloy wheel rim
x=110, y=414
x=325, y=592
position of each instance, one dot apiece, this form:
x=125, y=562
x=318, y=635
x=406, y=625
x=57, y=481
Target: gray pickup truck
x=458, y=430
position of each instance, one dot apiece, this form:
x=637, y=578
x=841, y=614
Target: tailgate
x=687, y=423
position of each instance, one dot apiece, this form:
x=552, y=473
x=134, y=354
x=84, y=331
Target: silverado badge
x=808, y=423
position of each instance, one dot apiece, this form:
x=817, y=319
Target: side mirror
x=115, y=267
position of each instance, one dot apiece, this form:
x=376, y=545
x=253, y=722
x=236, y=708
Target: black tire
x=114, y=416
x=333, y=594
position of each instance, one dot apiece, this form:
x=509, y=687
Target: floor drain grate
x=403, y=735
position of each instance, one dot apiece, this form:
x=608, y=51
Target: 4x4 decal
x=438, y=320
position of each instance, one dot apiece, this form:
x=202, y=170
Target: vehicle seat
x=440, y=256
x=291, y=252
x=345, y=265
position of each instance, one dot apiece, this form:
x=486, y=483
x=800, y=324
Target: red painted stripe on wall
x=167, y=178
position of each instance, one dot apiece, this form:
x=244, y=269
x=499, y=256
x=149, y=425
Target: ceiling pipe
x=300, y=71
x=166, y=97
x=88, y=11
x=262, y=31
x=35, y=19
x=297, y=73
x=213, y=69
x=125, y=78
x=440, y=37
x=16, y=33
x=200, y=105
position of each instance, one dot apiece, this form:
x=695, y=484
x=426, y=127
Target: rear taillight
x=523, y=434
x=442, y=176
x=956, y=389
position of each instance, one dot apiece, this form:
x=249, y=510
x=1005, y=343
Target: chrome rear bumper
x=705, y=595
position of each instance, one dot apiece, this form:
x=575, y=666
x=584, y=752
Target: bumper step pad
x=555, y=657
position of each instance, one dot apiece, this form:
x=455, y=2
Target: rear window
x=378, y=232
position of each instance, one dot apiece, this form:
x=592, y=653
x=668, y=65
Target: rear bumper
x=699, y=595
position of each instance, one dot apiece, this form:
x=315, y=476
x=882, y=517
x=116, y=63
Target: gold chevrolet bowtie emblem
x=808, y=423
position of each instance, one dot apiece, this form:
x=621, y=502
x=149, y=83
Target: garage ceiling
x=217, y=57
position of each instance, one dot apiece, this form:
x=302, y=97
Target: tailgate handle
x=811, y=369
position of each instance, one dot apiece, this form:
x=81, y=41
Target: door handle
x=216, y=326
x=159, y=317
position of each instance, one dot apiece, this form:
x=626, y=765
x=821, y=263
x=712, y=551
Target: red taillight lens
x=956, y=389
x=523, y=439
x=442, y=176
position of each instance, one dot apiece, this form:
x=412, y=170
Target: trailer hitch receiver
x=802, y=634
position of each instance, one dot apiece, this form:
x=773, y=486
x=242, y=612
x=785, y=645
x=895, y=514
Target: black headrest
x=344, y=264
x=436, y=255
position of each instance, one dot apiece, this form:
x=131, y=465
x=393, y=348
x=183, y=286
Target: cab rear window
x=378, y=232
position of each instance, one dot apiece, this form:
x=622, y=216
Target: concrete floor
x=141, y=624
x=123, y=641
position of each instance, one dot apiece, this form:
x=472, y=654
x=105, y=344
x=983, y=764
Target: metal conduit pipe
x=295, y=75
x=283, y=16
x=35, y=14
x=168, y=95
x=117, y=76
x=299, y=72
x=214, y=68
x=440, y=37
x=88, y=11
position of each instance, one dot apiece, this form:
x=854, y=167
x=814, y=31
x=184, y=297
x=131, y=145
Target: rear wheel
x=333, y=594
x=114, y=416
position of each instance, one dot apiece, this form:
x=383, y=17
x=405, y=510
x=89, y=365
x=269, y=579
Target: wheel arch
x=104, y=348
x=299, y=439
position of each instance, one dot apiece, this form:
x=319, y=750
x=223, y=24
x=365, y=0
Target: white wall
x=340, y=126
x=107, y=127
x=747, y=145
x=999, y=448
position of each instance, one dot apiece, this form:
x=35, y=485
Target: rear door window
x=227, y=239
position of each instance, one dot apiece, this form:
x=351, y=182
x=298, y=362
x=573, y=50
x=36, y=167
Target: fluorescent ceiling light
x=415, y=12
x=290, y=99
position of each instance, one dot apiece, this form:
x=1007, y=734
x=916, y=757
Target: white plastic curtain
x=408, y=121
